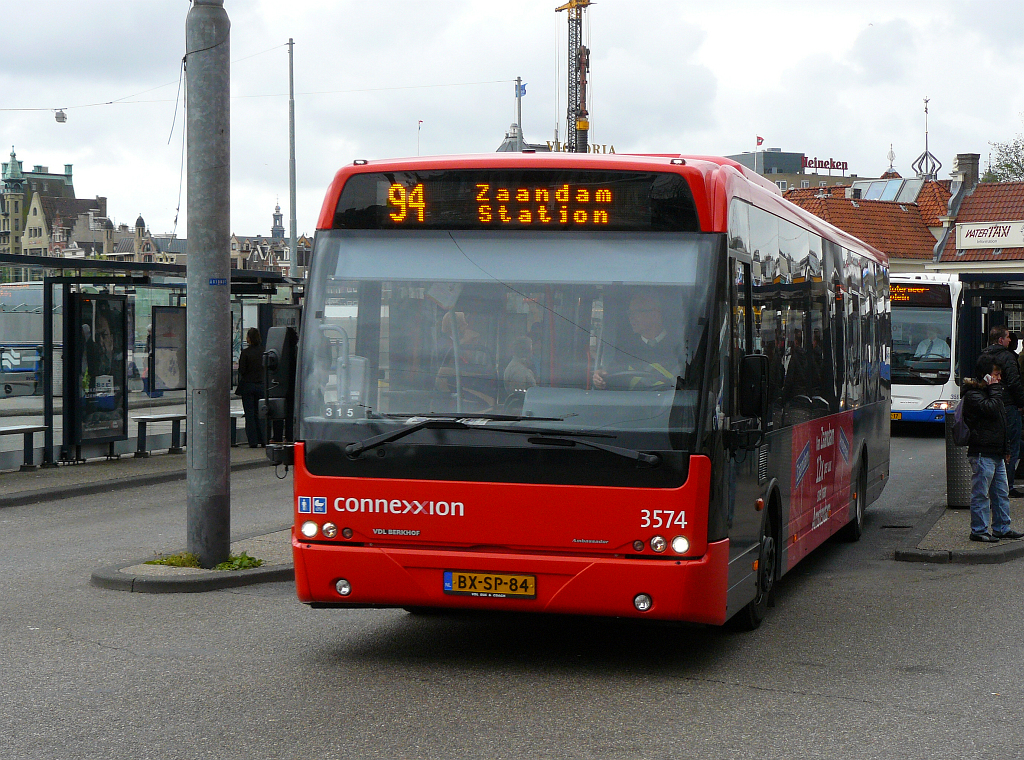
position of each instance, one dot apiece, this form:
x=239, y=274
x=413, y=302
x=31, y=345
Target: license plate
x=496, y=585
x=897, y=415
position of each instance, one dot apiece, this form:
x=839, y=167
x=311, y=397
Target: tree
x=1008, y=164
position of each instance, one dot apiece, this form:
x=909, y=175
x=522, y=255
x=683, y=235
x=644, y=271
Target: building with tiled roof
x=49, y=230
x=903, y=217
x=896, y=228
x=988, y=233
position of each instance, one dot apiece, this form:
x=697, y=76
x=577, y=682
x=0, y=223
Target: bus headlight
x=330, y=530
x=680, y=545
x=642, y=602
x=941, y=405
x=309, y=529
x=343, y=587
x=659, y=544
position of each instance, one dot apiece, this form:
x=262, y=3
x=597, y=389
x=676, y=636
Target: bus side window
x=739, y=300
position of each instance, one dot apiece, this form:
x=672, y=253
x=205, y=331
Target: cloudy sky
x=829, y=78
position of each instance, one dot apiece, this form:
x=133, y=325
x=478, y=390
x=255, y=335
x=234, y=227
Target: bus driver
x=651, y=360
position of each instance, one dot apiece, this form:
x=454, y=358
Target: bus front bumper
x=688, y=590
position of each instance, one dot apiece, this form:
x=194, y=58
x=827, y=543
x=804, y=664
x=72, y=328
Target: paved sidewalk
x=943, y=537
x=100, y=475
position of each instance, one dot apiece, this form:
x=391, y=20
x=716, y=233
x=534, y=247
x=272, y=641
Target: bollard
x=958, y=470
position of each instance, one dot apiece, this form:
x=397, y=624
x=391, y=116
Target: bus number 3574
x=662, y=518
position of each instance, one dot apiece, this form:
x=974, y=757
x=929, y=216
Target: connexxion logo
x=383, y=506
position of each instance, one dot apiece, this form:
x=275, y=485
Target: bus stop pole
x=48, y=373
x=208, y=402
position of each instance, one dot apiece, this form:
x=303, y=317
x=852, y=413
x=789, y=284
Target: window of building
x=783, y=185
x=822, y=183
x=805, y=183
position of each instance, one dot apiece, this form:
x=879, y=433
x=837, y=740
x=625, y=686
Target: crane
x=577, y=118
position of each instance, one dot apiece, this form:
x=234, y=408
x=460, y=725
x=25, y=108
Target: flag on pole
x=521, y=90
x=760, y=140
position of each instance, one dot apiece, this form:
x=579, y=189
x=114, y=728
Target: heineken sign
x=990, y=235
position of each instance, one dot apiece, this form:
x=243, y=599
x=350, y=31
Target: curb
x=113, y=579
x=909, y=551
x=103, y=486
x=996, y=555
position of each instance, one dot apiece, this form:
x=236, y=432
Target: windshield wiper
x=641, y=457
x=441, y=422
x=546, y=437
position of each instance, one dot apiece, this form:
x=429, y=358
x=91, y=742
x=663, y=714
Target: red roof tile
x=896, y=228
x=933, y=200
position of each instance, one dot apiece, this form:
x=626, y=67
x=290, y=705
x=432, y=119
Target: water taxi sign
x=990, y=235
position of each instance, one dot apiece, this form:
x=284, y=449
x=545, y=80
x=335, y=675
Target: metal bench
x=175, y=419
x=28, y=431
x=236, y=415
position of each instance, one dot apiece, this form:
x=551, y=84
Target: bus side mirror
x=753, y=385
x=279, y=374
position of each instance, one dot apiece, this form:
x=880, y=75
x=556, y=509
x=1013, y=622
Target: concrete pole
x=293, y=267
x=208, y=69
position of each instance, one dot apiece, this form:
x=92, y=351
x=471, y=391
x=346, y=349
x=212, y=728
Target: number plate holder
x=490, y=585
x=896, y=416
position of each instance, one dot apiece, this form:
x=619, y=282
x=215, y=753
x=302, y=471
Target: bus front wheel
x=750, y=617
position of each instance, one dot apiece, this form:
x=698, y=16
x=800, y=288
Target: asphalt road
x=863, y=657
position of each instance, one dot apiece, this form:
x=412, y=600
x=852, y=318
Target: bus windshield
x=921, y=340
x=585, y=332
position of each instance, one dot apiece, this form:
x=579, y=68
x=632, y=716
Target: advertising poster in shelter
x=168, y=362
x=102, y=408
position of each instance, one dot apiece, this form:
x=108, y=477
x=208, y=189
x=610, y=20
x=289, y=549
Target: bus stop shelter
x=137, y=288
x=989, y=299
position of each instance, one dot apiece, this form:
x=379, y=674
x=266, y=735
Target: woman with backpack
x=987, y=451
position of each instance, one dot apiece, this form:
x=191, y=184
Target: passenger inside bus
x=519, y=376
x=476, y=372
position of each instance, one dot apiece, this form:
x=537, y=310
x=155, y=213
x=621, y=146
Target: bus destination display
x=539, y=199
x=919, y=295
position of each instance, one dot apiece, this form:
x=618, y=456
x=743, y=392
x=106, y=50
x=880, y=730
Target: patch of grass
x=184, y=559
x=239, y=562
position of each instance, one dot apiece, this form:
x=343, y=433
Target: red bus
x=637, y=386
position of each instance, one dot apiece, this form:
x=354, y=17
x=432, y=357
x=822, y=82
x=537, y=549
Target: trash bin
x=958, y=470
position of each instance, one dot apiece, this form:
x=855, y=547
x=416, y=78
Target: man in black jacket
x=1011, y=393
x=986, y=451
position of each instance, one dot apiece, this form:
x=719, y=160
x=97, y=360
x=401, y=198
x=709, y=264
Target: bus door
x=744, y=520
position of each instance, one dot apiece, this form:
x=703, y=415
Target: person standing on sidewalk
x=1011, y=393
x=987, y=453
x=250, y=387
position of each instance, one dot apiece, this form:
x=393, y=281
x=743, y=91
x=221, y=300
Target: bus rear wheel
x=854, y=529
